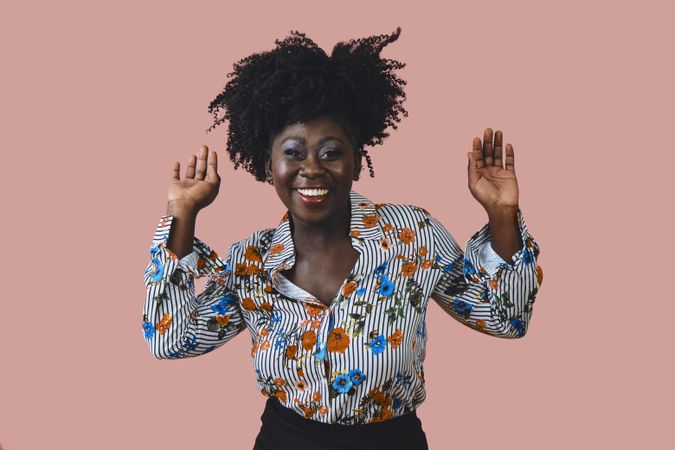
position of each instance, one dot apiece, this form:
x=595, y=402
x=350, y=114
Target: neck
x=309, y=237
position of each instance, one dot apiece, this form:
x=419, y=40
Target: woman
x=335, y=296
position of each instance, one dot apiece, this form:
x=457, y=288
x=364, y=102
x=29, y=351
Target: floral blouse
x=360, y=359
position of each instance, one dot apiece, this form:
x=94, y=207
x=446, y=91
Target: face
x=313, y=165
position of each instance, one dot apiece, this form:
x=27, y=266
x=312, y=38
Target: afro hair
x=297, y=81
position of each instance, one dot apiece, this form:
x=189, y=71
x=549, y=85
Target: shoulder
x=258, y=242
x=402, y=214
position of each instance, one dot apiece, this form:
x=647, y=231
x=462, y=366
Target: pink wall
x=98, y=102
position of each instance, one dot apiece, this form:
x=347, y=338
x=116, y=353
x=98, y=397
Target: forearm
x=506, y=239
x=182, y=232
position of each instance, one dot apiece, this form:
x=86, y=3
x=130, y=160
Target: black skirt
x=284, y=429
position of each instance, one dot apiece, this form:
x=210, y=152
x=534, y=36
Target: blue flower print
x=518, y=325
x=462, y=307
x=321, y=350
x=159, y=272
x=378, y=345
x=449, y=268
x=527, y=257
x=280, y=342
x=381, y=268
x=386, y=287
x=342, y=383
x=149, y=330
x=190, y=343
x=221, y=306
x=468, y=267
x=356, y=376
x=361, y=291
x=397, y=403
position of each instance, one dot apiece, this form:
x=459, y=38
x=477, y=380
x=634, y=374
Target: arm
x=495, y=299
x=176, y=323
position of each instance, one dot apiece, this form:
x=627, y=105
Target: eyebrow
x=323, y=140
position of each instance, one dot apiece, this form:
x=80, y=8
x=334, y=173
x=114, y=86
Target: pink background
x=99, y=101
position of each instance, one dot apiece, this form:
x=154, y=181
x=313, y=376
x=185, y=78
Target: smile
x=313, y=195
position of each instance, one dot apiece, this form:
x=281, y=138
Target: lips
x=312, y=195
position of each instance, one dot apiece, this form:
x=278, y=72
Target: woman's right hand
x=199, y=187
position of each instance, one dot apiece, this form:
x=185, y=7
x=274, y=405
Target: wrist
x=181, y=208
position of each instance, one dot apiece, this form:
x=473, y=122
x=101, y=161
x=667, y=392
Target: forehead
x=313, y=130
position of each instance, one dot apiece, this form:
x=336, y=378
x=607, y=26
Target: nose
x=311, y=167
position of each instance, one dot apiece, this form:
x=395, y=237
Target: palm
x=201, y=183
x=492, y=183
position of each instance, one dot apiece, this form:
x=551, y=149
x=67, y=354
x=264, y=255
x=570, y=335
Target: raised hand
x=492, y=183
x=201, y=183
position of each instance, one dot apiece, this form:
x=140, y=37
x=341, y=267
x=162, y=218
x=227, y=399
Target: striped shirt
x=360, y=359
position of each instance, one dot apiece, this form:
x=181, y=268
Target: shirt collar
x=364, y=225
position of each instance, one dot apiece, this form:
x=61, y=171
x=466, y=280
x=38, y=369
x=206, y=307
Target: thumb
x=472, y=168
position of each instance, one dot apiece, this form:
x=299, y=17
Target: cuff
x=479, y=249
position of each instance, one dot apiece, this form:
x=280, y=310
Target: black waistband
x=281, y=424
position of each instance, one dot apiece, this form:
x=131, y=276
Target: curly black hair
x=298, y=81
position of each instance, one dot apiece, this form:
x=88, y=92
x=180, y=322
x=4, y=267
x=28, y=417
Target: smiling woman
x=335, y=297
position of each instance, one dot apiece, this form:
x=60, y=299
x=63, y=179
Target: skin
x=297, y=159
x=324, y=255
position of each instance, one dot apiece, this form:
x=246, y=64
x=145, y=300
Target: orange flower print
x=323, y=409
x=213, y=255
x=395, y=339
x=387, y=227
x=427, y=264
x=308, y=339
x=316, y=396
x=480, y=323
x=254, y=349
x=315, y=324
x=251, y=269
x=338, y=341
x=170, y=252
x=300, y=371
x=422, y=251
x=408, y=269
x=248, y=304
x=280, y=395
x=240, y=269
x=349, y=288
x=406, y=235
x=493, y=284
x=540, y=274
x=363, y=205
x=355, y=233
x=385, y=244
x=301, y=386
x=291, y=350
x=369, y=220
x=309, y=412
x=223, y=320
x=252, y=254
x=164, y=323
x=313, y=310
x=264, y=331
x=268, y=289
x=201, y=263
x=265, y=345
x=266, y=306
x=278, y=381
x=277, y=248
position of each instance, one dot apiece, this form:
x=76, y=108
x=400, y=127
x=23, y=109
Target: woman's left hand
x=494, y=185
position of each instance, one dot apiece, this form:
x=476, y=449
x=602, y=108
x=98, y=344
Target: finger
x=190, y=172
x=478, y=153
x=498, y=149
x=200, y=174
x=212, y=170
x=473, y=174
x=175, y=173
x=509, y=157
x=487, y=147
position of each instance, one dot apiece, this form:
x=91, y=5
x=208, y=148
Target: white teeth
x=313, y=192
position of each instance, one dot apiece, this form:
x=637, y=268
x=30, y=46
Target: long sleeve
x=476, y=289
x=176, y=322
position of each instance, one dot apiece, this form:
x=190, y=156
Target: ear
x=268, y=167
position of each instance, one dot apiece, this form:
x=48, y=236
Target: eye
x=331, y=153
x=293, y=153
